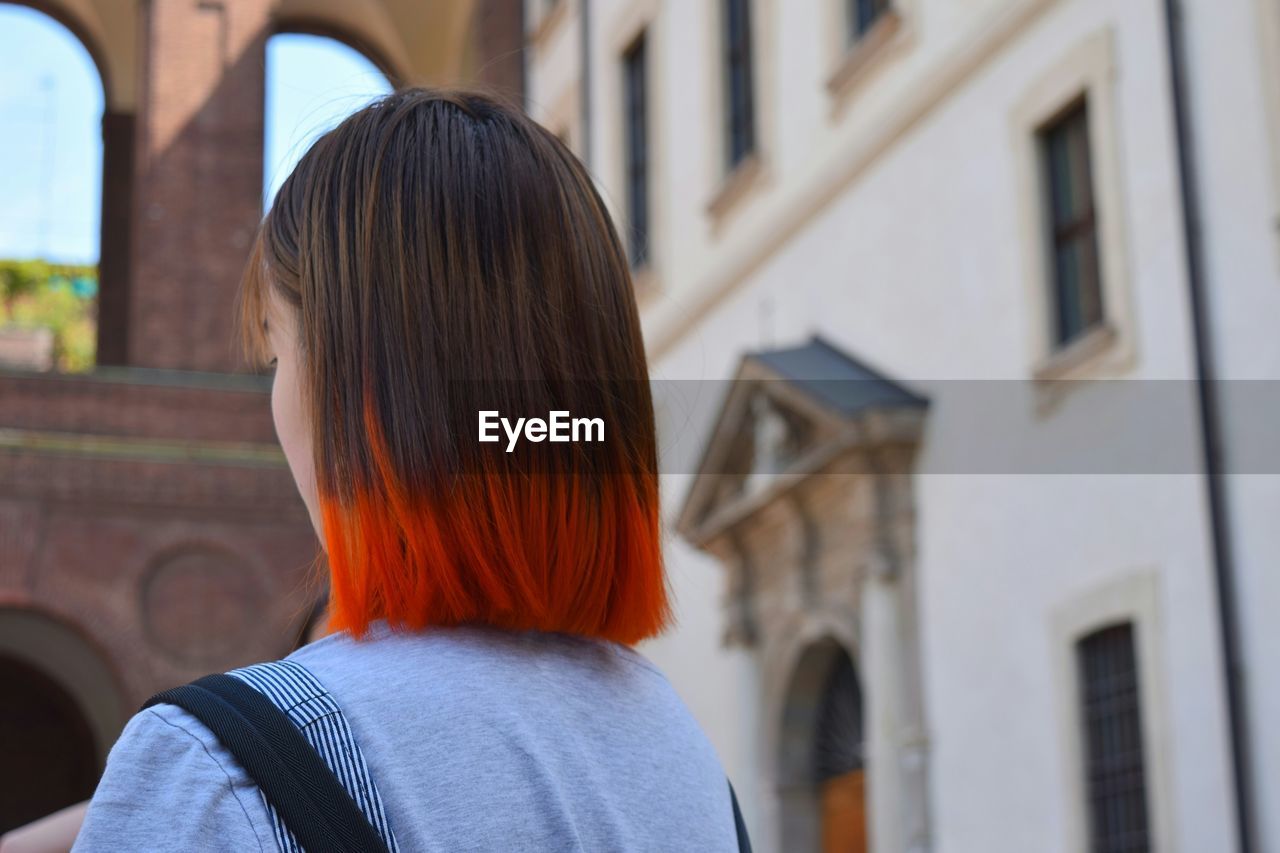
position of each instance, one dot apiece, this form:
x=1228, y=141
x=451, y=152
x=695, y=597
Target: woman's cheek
x=292, y=431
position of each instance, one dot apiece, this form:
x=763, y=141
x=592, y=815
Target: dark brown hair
x=445, y=254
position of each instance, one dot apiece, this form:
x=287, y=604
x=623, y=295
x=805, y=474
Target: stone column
x=117, y=221
x=900, y=768
x=199, y=177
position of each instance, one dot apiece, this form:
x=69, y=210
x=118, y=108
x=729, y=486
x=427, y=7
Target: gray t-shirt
x=477, y=738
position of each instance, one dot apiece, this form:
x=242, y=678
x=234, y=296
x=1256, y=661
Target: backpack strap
x=293, y=689
x=291, y=737
x=311, y=805
x=744, y=842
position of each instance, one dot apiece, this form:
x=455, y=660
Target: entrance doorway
x=823, y=774
x=50, y=758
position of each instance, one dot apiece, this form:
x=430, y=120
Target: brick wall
x=158, y=515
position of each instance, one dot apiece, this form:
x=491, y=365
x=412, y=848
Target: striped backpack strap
x=294, y=690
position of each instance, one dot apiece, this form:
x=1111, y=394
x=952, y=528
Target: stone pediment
x=788, y=414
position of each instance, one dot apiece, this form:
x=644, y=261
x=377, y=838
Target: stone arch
x=287, y=133
x=362, y=43
x=72, y=23
x=794, y=635
x=114, y=60
x=819, y=750
x=64, y=707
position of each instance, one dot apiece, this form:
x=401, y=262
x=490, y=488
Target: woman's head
x=436, y=255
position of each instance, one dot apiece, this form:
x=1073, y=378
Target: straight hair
x=445, y=254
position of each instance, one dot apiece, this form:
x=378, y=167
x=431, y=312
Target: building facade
x=1006, y=610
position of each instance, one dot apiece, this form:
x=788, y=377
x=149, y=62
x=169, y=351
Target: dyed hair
x=445, y=254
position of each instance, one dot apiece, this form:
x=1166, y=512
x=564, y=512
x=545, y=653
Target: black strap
x=297, y=782
x=744, y=843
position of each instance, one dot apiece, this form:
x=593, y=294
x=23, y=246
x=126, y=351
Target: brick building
x=150, y=530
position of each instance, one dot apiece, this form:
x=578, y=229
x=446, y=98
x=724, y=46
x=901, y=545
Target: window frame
x=1059, y=234
x=638, y=234
x=1102, y=706
x=854, y=29
x=732, y=186
x=621, y=31
x=745, y=50
x=1131, y=597
x=853, y=57
x=1268, y=31
x=1085, y=71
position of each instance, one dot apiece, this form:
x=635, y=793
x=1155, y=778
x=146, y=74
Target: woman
x=436, y=257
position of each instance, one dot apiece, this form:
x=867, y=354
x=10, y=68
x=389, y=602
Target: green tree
x=61, y=297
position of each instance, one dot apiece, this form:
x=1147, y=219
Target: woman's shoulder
x=468, y=717
x=169, y=784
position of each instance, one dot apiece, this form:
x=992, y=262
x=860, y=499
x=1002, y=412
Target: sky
x=51, y=103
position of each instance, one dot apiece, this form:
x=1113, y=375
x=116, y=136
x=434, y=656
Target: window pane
x=1090, y=294
x=1070, y=318
x=738, y=94
x=1076, y=132
x=1061, y=183
x=862, y=14
x=1114, y=762
x=637, y=153
x=1073, y=246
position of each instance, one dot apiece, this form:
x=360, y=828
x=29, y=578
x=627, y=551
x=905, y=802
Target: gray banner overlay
x=963, y=426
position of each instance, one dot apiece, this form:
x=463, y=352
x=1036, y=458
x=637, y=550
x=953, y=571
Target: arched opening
x=839, y=746
x=61, y=708
x=822, y=781
x=313, y=82
x=50, y=224
x=46, y=743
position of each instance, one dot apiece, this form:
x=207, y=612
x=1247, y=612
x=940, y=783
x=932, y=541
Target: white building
x=977, y=197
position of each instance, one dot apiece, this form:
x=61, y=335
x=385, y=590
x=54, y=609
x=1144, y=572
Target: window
x=1071, y=189
x=635, y=100
x=1075, y=276
x=738, y=90
x=1115, y=775
x=861, y=15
